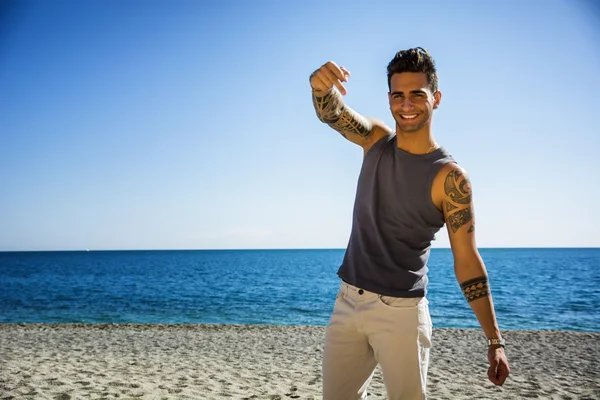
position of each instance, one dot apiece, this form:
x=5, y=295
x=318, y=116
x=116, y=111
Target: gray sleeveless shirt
x=394, y=220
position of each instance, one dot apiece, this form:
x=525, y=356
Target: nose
x=406, y=104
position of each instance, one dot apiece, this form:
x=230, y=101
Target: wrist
x=496, y=342
x=320, y=91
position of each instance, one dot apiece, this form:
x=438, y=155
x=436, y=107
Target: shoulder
x=379, y=129
x=451, y=171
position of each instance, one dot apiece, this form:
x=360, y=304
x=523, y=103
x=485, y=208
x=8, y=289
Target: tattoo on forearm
x=472, y=228
x=332, y=111
x=458, y=190
x=328, y=106
x=475, y=288
x=460, y=218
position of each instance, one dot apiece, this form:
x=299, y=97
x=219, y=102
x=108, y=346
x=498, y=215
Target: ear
x=437, y=97
x=389, y=98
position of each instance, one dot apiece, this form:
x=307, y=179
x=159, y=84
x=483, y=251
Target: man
x=408, y=188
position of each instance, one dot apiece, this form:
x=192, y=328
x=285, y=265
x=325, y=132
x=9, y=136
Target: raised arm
x=327, y=90
x=453, y=188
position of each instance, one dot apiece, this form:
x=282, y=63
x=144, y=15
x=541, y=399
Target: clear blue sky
x=189, y=124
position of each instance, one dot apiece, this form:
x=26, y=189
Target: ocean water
x=532, y=288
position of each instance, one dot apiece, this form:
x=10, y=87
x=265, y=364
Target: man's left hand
x=499, y=369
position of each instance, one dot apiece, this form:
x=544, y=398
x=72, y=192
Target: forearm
x=476, y=289
x=331, y=110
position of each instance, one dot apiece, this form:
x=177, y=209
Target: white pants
x=367, y=329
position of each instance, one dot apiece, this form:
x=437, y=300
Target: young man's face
x=411, y=101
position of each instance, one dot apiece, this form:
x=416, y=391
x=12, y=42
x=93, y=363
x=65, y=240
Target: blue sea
x=532, y=288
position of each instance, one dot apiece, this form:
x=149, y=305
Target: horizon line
x=85, y=250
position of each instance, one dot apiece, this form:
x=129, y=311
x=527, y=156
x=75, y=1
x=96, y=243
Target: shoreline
x=206, y=361
x=188, y=325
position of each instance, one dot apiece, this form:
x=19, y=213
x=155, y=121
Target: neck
x=420, y=142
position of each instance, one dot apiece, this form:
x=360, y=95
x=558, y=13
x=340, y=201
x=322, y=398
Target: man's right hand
x=328, y=76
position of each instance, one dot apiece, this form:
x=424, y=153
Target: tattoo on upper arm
x=450, y=207
x=460, y=218
x=472, y=228
x=477, y=288
x=331, y=110
x=459, y=192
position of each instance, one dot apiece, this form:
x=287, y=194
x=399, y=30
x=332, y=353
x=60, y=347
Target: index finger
x=346, y=72
x=337, y=71
x=330, y=81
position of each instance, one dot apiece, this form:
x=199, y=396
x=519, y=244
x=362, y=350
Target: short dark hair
x=413, y=60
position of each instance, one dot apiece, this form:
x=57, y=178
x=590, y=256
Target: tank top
x=394, y=220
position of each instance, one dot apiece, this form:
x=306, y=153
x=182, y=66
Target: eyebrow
x=412, y=91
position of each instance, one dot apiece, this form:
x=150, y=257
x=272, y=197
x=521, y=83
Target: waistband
x=357, y=294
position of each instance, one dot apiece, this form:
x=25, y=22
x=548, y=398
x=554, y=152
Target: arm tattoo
x=458, y=192
x=331, y=110
x=460, y=218
x=472, y=228
x=477, y=288
x=450, y=207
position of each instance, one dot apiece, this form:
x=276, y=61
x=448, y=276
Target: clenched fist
x=328, y=76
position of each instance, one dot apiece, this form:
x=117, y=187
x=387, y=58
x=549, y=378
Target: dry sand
x=61, y=362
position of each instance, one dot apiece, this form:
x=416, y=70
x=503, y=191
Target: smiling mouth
x=408, y=116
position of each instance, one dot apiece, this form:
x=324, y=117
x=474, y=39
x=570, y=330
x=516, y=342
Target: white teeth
x=409, y=116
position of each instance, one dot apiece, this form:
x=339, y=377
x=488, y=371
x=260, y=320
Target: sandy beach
x=62, y=362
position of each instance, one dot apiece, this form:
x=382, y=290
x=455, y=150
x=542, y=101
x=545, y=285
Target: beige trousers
x=367, y=329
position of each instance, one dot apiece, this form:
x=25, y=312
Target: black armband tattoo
x=477, y=288
x=331, y=110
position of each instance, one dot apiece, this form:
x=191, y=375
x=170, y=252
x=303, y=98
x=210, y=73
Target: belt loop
x=346, y=289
